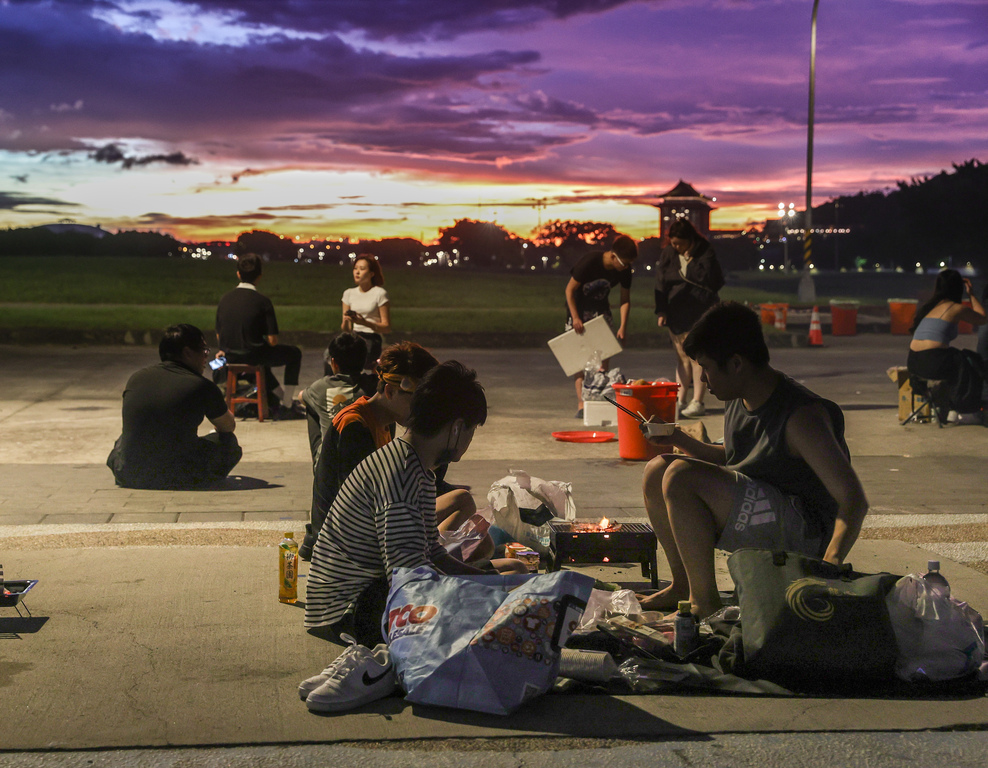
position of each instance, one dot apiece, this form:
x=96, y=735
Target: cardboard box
x=899, y=375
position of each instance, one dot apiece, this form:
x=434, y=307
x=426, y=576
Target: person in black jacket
x=687, y=285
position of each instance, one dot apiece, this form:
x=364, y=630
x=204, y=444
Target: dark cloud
x=111, y=153
x=173, y=91
x=11, y=201
x=407, y=19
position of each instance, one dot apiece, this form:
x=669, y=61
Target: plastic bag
x=462, y=542
x=604, y=605
x=939, y=638
x=485, y=643
x=598, y=383
x=520, y=491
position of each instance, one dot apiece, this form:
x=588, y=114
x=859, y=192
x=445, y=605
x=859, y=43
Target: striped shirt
x=384, y=517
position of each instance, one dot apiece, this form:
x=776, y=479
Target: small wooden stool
x=233, y=372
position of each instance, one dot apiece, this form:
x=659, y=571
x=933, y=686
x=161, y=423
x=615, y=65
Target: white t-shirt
x=367, y=304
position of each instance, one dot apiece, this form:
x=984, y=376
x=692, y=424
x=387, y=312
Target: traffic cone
x=816, y=332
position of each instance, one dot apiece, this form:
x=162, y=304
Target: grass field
x=141, y=294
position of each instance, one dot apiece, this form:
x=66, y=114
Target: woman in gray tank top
x=930, y=355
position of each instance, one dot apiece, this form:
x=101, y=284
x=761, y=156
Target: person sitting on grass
x=163, y=406
x=384, y=516
x=342, y=383
x=782, y=479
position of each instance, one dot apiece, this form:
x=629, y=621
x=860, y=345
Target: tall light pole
x=807, y=290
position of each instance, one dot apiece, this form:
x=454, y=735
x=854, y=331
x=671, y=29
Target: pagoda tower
x=683, y=202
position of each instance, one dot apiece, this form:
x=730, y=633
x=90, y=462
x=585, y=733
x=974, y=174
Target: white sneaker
x=694, y=410
x=310, y=684
x=357, y=676
x=953, y=417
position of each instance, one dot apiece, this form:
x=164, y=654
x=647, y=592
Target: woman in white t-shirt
x=366, y=307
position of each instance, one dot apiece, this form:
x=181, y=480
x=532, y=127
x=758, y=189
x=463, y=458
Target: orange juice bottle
x=288, y=569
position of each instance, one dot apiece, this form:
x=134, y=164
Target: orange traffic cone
x=816, y=332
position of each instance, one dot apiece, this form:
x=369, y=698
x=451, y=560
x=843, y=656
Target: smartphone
x=351, y=313
x=217, y=362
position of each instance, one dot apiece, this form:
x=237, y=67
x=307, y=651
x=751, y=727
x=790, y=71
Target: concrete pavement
x=157, y=610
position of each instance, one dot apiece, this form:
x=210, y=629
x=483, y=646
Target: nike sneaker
x=357, y=676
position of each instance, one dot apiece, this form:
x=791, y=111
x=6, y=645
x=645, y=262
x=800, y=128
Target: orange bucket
x=773, y=314
x=657, y=399
x=844, y=318
x=902, y=312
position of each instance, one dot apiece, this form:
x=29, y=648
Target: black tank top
x=755, y=442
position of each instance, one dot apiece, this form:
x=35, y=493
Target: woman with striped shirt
x=384, y=516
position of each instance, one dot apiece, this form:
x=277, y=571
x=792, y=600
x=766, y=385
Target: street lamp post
x=784, y=215
x=807, y=291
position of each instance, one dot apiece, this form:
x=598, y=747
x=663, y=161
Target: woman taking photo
x=686, y=287
x=366, y=309
x=930, y=353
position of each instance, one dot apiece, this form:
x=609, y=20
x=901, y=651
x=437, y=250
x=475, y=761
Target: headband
x=404, y=383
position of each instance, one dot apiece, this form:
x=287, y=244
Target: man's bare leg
x=665, y=599
x=699, y=499
x=453, y=509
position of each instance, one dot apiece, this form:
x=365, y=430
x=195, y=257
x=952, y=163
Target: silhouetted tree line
x=926, y=220
x=41, y=241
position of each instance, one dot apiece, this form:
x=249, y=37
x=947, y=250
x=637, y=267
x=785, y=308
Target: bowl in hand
x=655, y=429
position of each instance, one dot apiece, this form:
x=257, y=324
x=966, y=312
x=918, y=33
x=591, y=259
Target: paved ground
x=155, y=622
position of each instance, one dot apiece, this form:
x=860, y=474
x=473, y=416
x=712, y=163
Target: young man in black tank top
x=782, y=480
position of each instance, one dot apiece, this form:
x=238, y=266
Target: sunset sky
x=378, y=118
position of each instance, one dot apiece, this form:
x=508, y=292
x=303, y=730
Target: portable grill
x=585, y=544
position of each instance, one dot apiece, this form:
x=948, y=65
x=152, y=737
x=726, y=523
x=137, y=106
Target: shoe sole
x=340, y=706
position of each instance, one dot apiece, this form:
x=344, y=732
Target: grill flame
x=604, y=524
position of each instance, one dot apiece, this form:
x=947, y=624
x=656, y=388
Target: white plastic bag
x=463, y=542
x=603, y=605
x=519, y=490
x=939, y=638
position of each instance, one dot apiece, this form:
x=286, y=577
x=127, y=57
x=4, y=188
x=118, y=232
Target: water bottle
x=288, y=569
x=935, y=579
x=685, y=634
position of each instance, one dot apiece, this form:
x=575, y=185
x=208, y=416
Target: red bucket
x=901, y=313
x=657, y=399
x=844, y=318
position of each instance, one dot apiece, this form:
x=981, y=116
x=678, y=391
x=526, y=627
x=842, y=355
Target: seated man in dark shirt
x=247, y=331
x=163, y=406
x=782, y=479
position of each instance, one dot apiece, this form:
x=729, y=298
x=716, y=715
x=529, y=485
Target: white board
x=573, y=350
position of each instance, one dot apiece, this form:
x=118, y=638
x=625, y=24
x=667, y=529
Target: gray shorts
x=763, y=517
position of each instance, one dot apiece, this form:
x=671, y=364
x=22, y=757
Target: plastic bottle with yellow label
x=288, y=569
